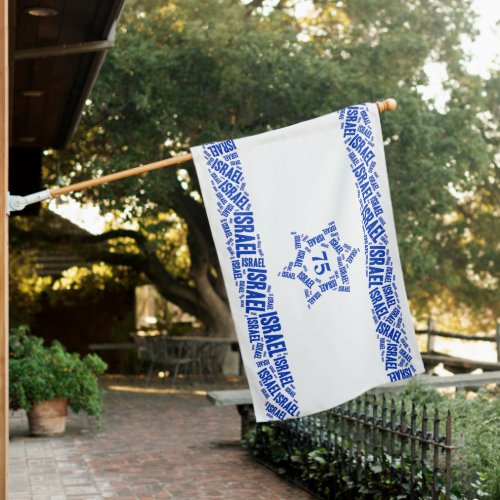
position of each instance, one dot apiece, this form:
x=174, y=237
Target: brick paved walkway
x=150, y=445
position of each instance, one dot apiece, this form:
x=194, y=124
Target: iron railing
x=372, y=441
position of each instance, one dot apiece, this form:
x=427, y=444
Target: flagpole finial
x=387, y=105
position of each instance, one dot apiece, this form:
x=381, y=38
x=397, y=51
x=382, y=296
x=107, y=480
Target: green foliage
x=29, y=292
x=38, y=373
x=475, y=465
x=476, y=434
x=25, y=286
x=421, y=394
x=332, y=472
x=188, y=72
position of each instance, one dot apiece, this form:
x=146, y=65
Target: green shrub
x=332, y=473
x=475, y=464
x=38, y=373
x=475, y=435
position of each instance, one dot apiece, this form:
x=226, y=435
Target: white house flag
x=304, y=230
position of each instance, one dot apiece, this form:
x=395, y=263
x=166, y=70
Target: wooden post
x=498, y=341
x=431, y=326
x=4, y=248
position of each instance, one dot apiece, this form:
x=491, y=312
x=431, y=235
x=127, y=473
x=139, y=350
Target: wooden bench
x=108, y=351
x=111, y=346
x=242, y=400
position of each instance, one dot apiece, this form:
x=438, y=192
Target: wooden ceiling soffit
x=56, y=57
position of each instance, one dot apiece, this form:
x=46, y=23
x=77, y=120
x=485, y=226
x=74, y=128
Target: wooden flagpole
x=387, y=105
x=121, y=175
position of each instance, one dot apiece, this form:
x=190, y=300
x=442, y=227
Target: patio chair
x=213, y=359
x=174, y=357
x=157, y=351
x=143, y=350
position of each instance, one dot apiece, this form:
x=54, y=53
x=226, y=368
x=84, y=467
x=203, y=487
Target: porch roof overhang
x=57, y=48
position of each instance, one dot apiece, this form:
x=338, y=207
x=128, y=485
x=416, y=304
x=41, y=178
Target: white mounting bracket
x=16, y=203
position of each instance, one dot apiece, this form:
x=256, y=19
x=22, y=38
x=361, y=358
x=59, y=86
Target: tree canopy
x=185, y=72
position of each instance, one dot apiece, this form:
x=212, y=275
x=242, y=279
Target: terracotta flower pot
x=48, y=417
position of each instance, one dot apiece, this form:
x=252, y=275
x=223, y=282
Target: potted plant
x=45, y=380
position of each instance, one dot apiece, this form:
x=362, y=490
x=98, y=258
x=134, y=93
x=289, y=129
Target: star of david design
x=321, y=263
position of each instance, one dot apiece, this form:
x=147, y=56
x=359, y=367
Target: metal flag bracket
x=16, y=203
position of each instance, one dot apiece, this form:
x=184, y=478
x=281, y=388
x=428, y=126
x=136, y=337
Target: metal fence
x=372, y=441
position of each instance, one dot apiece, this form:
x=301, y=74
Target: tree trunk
x=221, y=321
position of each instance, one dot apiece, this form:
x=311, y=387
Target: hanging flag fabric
x=304, y=230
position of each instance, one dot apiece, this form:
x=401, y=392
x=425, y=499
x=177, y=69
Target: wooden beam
x=4, y=248
x=498, y=341
x=63, y=50
x=458, y=363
